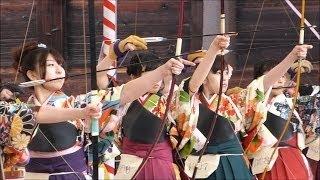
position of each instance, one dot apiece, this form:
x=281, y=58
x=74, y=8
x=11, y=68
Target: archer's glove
x=306, y=66
x=130, y=43
x=196, y=56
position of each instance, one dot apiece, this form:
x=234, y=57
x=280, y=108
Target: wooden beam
x=196, y=24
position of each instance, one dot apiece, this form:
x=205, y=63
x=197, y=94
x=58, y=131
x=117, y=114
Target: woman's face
x=53, y=71
x=280, y=83
x=213, y=80
x=289, y=82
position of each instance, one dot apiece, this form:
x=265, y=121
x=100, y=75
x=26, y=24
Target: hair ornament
x=41, y=45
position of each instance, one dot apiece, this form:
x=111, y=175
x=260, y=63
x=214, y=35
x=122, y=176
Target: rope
x=24, y=42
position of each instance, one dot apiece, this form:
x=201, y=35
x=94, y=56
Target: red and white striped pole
x=109, y=28
x=109, y=21
x=107, y=169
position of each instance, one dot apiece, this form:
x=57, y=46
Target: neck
x=207, y=93
x=41, y=93
x=273, y=95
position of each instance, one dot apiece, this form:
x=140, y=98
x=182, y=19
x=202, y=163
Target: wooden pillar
x=196, y=24
x=51, y=23
x=211, y=20
x=211, y=23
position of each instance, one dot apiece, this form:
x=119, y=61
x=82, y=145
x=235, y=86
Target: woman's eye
x=50, y=64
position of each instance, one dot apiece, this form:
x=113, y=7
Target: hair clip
x=42, y=45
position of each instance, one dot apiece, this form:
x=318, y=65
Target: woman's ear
x=32, y=75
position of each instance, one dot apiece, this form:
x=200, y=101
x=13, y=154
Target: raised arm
x=50, y=114
x=201, y=72
x=102, y=77
x=117, y=50
x=137, y=87
x=299, y=51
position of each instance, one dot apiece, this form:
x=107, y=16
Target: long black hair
x=137, y=69
x=34, y=58
x=261, y=67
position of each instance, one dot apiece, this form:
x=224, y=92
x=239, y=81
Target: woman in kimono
x=57, y=148
x=308, y=108
x=309, y=111
x=140, y=122
x=238, y=113
x=288, y=162
x=18, y=121
x=141, y=119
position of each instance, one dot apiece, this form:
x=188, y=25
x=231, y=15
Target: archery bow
x=169, y=98
x=301, y=42
x=94, y=121
x=213, y=122
x=36, y=83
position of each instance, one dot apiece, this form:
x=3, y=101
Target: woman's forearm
x=102, y=77
x=202, y=70
x=50, y=114
x=275, y=73
x=135, y=88
x=106, y=63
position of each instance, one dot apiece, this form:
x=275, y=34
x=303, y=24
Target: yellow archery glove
x=196, y=55
x=306, y=66
x=130, y=43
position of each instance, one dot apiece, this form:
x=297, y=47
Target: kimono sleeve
x=109, y=98
x=252, y=104
x=184, y=121
x=16, y=127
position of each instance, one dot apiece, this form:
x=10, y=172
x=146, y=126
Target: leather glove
x=196, y=56
x=306, y=66
x=130, y=43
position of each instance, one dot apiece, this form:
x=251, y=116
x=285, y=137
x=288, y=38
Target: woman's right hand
x=92, y=111
x=300, y=51
x=130, y=43
x=89, y=112
x=175, y=66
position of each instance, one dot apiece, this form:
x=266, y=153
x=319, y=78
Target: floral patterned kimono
x=140, y=123
x=17, y=124
x=288, y=161
x=51, y=142
x=223, y=158
x=309, y=111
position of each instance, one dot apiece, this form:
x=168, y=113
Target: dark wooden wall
x=13, y=24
